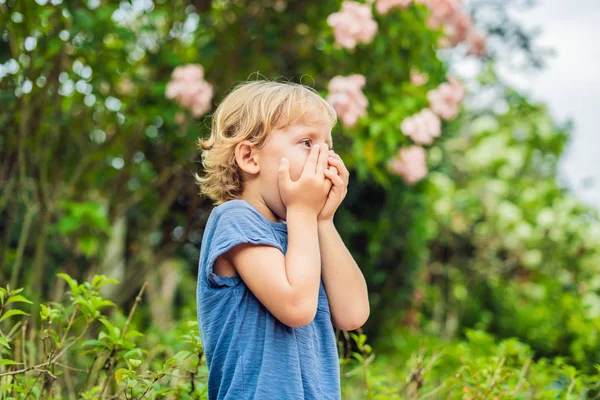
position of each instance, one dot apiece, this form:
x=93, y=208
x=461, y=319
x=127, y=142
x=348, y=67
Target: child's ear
x=246, y=157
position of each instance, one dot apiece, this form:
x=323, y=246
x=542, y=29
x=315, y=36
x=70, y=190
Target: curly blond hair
x=250, y=112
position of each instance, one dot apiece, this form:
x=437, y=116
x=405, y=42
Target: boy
x=269, y=292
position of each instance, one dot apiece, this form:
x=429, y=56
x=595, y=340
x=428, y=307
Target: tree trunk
x=113, y=264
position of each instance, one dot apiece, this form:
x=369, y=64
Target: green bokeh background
x=483, y=277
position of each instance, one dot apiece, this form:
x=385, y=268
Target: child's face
x=294, y=143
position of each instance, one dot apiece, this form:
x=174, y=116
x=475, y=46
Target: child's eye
x=306, y=141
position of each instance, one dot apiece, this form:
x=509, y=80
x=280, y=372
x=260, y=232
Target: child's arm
x=288, y=286
x=343, y=280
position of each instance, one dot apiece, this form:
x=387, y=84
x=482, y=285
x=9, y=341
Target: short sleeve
x=228, y=227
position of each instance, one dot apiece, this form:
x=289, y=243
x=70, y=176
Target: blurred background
x=468, y=128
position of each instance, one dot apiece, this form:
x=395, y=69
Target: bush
x=79, y=349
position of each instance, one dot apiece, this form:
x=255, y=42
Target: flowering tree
x=103, y=102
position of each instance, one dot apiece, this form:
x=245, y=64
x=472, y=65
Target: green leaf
x=133, y=333
x=72, y=283
x=93, y=343
x=135, y=362
x=121, y=374
x=68, y=225
x=84, y=18
x=84, y=307
x=17, y=299
x=182, y=355
x=107, y=303
x=8, y=362
x=113, y=332
x=101, y=280
x=4, y=342
x=135, y=352
x=11, y=313
x=44, y=312
x=88, y=245
x=97, y=279
x=358, y=357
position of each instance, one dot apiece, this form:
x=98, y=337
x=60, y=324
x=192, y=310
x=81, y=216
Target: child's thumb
x=284, y=170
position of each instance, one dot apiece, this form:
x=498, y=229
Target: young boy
x=269, y=292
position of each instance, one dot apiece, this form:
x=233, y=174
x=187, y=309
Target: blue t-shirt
x=250, y=354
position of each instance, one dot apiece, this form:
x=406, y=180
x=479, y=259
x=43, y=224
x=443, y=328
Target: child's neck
x=259, y=204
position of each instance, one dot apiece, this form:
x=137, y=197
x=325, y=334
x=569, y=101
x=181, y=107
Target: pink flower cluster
x=354, y=23
x=457, y=24
x=417, y=78
x=384, y=6
x=476, y=42
x=410, y=164
x=189, y=89
x=445, y=100
x=347, y=98
x=422, y=127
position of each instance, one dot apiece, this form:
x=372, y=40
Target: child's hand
x=309, y=192
x=338, y=174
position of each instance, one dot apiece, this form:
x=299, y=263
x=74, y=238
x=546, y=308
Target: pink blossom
x=417, y=78
x=457, y=28
x=411, y=164
x=347, y=98
x=422, y=127
x=476, y=41
x=384, y=6
x=190, y=72
x=441, y=11
x=457, y=24
x=189, y=89
x=445, y=100
x=352, y=24
x=180, y=118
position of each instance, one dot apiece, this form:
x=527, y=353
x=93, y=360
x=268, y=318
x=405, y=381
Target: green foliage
x=79, y=349
x=511, y=251
x=96, y=178
x=170, y=362
x=425, y=367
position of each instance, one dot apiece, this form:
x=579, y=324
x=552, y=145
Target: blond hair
x=250, y=112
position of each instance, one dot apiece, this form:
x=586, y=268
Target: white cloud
x=570, y=84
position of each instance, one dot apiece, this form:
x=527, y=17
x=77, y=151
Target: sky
x=570, y=84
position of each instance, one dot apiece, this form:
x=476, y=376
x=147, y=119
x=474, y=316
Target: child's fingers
x=339, y=164
x=310, y=165
x=329, y=182
x=335, y=178
x=322, y=162
x=333, y=170
x=284, y=171
x=333, y=160
x=335, y=156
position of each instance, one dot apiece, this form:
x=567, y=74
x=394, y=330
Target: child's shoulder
x=236, y=211
x=232, y=205
x=236, y=220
